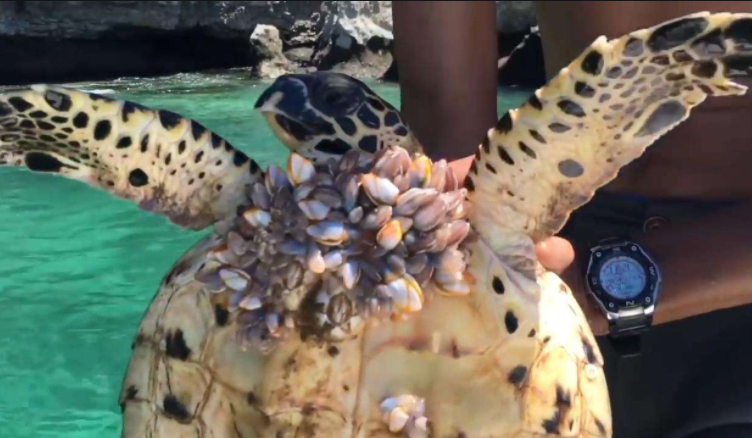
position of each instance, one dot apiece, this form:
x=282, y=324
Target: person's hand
x=555, y=254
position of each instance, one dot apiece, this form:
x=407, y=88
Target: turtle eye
x=336, y=96
x=339, y=100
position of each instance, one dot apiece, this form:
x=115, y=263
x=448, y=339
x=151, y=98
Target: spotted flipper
x=324, y=115
x=548, y=157
x=155, y=158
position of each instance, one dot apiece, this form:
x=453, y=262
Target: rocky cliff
x=45, y=41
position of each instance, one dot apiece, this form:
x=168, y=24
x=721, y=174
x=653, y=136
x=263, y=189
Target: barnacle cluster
x=406, y=414
x=324, y=247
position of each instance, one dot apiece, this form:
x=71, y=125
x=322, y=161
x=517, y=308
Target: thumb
x=555, y=254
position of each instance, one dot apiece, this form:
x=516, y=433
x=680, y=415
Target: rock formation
x=66, y=41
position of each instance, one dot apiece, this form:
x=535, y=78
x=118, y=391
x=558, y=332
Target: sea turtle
x=366, y=292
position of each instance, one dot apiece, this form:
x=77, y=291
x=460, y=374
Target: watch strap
x=630, y=325
x=624, y=333
x=611, y=240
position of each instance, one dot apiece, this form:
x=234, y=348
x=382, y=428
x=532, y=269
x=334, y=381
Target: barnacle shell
x=361, y=237
x=299, y=169
x=315, y=210
x=257, y=217
x=390, y=235
x=380, y=190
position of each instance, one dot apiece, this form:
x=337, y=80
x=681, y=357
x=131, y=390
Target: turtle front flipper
x=325, y=115
x=163, y=162
x=548, y=157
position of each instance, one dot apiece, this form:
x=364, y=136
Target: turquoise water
x=79, y=267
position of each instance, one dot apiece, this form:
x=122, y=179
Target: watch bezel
x=645, y=299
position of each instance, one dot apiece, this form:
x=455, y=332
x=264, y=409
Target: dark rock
x=66, y=41
x=28, y=60
x=90, y=20
x=356, y=38
x=361, y=21
x=392, y=73
x=522, y=65
x=515, y=17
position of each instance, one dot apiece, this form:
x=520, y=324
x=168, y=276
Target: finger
x=461, y=167
x=555, y=254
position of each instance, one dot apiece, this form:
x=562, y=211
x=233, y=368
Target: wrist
x=623, y=281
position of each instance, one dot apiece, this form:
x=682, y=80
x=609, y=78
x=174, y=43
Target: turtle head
x=327, y=114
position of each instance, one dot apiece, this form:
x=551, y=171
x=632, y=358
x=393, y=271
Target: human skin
x=447, y=55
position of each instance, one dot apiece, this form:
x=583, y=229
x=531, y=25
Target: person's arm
x=705, y=265
x=446, y=53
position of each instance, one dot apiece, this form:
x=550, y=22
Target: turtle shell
x=233, y=345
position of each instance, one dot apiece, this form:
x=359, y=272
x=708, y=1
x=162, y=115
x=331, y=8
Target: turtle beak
x=289, y=132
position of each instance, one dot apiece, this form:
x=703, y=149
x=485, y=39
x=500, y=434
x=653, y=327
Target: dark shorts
x=691, y=374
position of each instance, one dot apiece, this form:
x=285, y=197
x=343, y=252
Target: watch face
x=622, y=277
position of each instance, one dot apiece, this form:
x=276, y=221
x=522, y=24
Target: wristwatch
x=625, y=282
